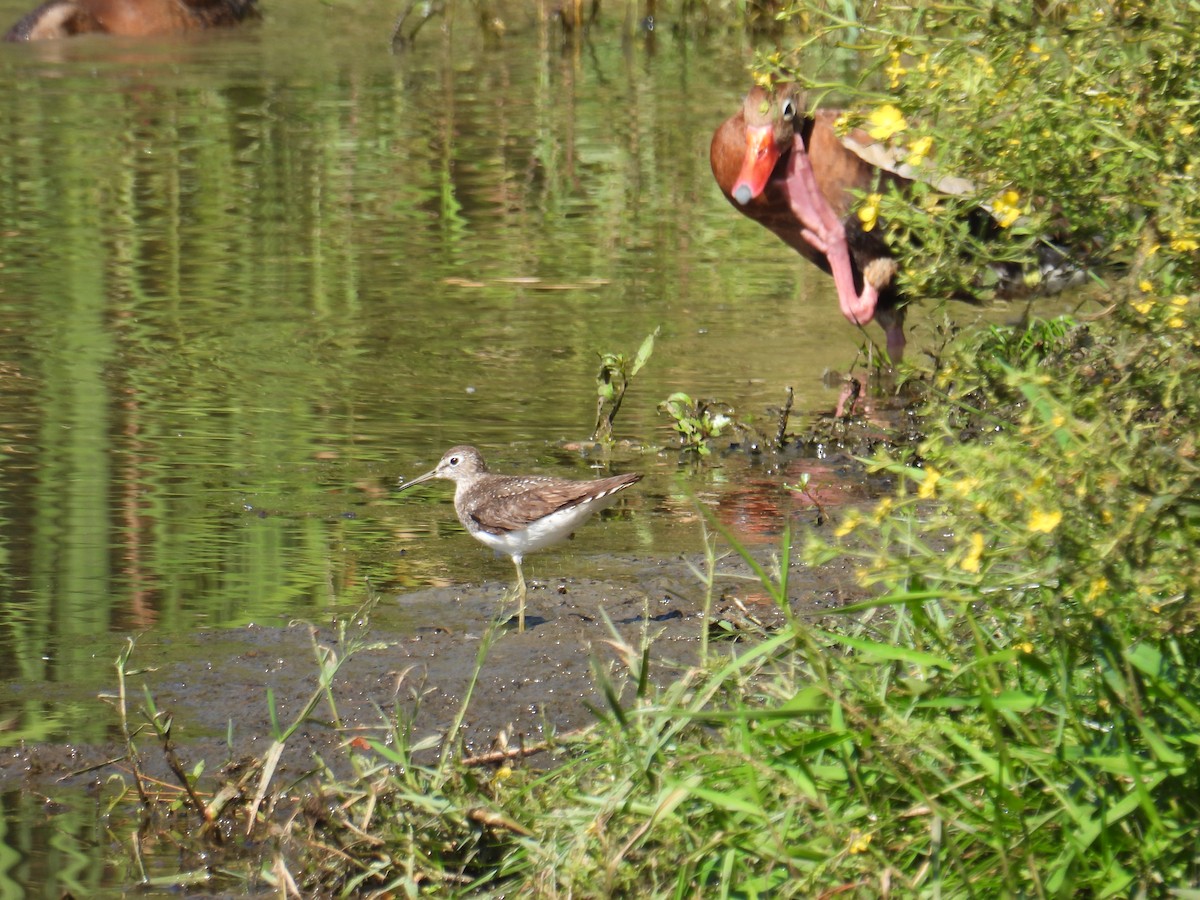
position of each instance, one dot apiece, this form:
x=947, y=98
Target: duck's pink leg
x=825, y=231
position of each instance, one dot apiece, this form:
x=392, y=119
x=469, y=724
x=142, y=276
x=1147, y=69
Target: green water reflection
x=251, y=278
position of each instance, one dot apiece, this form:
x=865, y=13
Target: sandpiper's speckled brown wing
x=515, y=503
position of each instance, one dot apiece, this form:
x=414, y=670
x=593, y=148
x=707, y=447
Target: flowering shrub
x=1081, y=125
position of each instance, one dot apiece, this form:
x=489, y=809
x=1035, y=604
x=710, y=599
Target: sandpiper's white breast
x=544, y=532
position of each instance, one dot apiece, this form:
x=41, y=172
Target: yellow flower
x=882, y=510
x=1025, y=647
x=919, y=150
x=1144, y=306
x=1185, y=245
x=1145, y=286
x=929, y=483
x=964, y=486
x=986, y=65
x=868, y=213
x=1175, y=322
x=1187, y=128
x=1097, y=587
x=1179, y=300
x=1007, y=208
x=885, y=122
x=894, y=70
x=503, y=774
x=852, y=521
x=859, y=842
x=971, y=561
x=1044, y=522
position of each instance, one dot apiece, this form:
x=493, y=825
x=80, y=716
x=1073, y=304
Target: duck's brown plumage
x=131, y=18
x=752, y=160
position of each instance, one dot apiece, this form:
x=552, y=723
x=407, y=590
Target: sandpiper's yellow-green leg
x=520, y=595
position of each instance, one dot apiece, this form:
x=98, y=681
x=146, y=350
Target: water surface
x=252, y=277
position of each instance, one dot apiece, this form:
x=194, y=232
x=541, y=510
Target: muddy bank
x=410, y=666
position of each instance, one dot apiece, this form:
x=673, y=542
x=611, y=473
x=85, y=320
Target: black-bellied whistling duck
x=132, y=18
x=791, y=172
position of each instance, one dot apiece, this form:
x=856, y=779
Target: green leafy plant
x=616, y=372
x=695, y=421
x=803, y=487
x=954, y=93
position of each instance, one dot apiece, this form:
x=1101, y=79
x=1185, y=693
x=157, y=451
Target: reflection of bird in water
x=131, y=18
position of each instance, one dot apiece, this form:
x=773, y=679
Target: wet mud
x=413, y=668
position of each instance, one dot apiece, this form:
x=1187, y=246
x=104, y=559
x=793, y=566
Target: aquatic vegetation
x=696, y=421
x=612, y=381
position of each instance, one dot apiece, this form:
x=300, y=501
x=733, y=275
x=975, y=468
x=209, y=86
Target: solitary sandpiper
x=517, y=514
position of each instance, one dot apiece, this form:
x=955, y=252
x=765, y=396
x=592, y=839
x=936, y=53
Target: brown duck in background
x=791, y=172
x=131, y=18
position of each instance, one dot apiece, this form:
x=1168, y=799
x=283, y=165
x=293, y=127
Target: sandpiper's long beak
x=405, y=485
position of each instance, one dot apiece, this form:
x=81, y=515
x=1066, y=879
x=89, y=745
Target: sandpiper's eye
x=788, y=109
x=454, y=460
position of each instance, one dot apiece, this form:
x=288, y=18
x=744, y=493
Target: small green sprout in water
x=616, y=371
x=802, y=487
x=695, y=421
